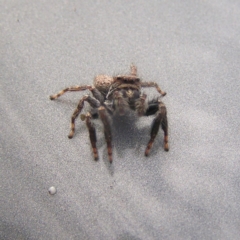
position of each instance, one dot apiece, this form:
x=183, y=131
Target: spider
x=118, y=94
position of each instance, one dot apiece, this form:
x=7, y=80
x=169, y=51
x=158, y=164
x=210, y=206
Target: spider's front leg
x=92, y=135
x=120, y=103
x=140, y=105
x=153, y=84
x=160, y=119
x=93, y=103
x=70, y=89
x=107, y=130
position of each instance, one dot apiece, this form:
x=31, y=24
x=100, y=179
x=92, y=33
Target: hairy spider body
x=118, y=94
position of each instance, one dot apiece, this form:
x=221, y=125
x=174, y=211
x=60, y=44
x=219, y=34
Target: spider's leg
x=153, y=84
x=160, y=119
x=120, y=103
x=107, y=130
x=92, y=135
x=165, y=130
x=133, y=69
x=93, y=103
x=70, y=89
x=140, y=105
x=97, y=94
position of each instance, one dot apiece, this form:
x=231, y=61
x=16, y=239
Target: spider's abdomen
x=103, y=83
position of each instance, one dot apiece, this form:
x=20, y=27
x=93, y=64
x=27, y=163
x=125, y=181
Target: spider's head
x=132, y=78
x=128, y=79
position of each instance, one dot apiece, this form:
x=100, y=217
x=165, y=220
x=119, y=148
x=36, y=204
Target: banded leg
x=97, y=94
x=107, y=130
x=160, y=119
x=153, y=84
x=133, y=69
x=70, y=89
x=165, y=130
x=140, y=105
x=92, y=101
x=92, y=135
x=120, y=103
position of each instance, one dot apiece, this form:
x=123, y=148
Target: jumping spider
x=118, y=95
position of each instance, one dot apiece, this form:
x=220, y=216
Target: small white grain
x=52, y=190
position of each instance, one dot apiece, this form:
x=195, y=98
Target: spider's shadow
x=127, y=134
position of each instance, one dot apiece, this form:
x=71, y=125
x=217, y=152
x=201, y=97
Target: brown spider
x=118, y=95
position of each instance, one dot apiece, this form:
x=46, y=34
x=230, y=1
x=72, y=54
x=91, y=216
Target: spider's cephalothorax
x=119, y=95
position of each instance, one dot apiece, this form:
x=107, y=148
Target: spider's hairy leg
x=133, y=69
x=92, y=135
x=92, y=101
x=140, y=105
x=160, y=119
x=97, y=94
x=107, y=130
x=153, y=84
x=165, y=130
x=120, y=103
x=70, y=89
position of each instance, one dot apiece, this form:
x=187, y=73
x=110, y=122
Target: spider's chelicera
x=118, y=95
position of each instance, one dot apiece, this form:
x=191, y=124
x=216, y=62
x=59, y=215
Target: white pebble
x=52, y=190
